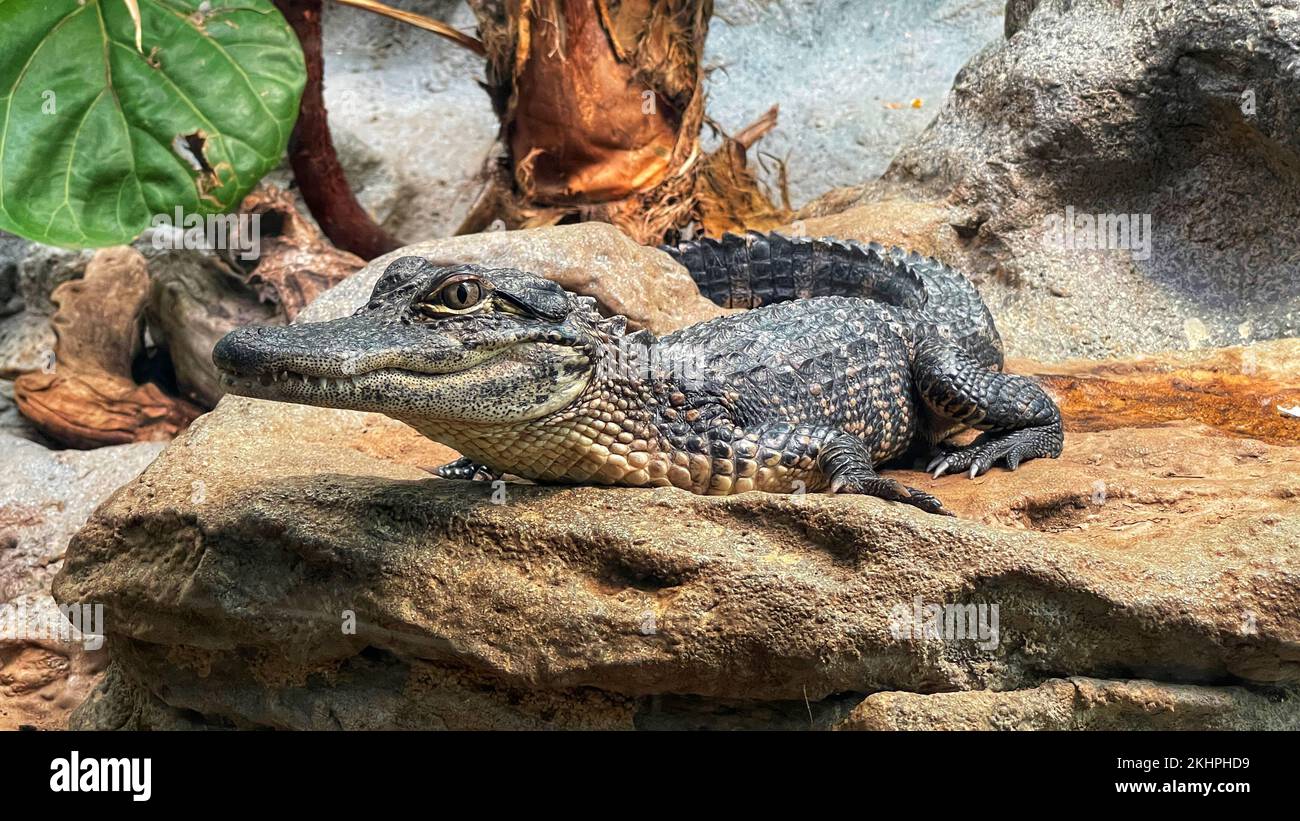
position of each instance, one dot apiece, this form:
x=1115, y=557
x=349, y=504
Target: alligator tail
x=752, y=270
x=755, y=269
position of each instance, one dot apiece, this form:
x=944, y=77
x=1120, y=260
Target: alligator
x=847, y=356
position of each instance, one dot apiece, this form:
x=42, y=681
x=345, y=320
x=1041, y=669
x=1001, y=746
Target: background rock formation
x=1186, y=112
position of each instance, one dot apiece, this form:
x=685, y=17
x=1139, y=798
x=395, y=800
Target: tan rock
x=591, y=258
x=1080, y=704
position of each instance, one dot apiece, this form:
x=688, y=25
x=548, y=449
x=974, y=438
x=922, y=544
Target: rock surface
x=285, y=566
x=1183, y=114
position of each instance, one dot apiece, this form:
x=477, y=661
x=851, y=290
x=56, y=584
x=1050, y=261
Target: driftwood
x=297, y=262
x=196, y=298
x=90, y=398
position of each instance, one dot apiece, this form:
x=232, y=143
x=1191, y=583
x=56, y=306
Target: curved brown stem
x=420, y=21
x=316, y=166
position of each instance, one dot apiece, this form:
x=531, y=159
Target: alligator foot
x=1011, y=448
x=845, y=461
x=892, y=490
x=465, y=469
x=1020, y=421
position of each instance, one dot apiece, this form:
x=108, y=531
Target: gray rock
x=12, y=251
x=26, y=338
x=26, y=344
x=12, y=422
x=45, y=496
x=1186, y=114
x=45, y=268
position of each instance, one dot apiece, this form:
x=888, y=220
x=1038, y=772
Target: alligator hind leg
x=465, y=469
x=844, y=460
x=1020, y=421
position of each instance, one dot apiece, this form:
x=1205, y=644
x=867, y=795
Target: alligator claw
x=1011, y=448
x=464, y=469
x=942, y=468
x=890, y=489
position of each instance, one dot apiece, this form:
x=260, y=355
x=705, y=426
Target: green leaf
x=97, y=137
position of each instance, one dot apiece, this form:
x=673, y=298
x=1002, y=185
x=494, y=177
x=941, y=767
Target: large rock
x=1186, y=114
x=285, y=566
x=592, y=258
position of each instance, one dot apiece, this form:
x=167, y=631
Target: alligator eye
x=461, y=295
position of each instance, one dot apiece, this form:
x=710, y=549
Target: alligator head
x=458, y=344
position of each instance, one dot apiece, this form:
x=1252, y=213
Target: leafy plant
x=113, y=111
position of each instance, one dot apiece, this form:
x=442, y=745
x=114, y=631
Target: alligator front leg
x=783, y=458
x=1020, y=421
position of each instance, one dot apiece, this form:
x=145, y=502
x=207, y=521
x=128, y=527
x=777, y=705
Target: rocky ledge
x=292, y=567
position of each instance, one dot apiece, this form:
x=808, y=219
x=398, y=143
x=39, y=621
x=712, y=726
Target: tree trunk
x=601, y=104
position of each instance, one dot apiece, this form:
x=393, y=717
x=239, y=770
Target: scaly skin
x=848, y=356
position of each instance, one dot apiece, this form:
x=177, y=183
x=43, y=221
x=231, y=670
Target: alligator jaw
x=363, y=391
x=480, y=387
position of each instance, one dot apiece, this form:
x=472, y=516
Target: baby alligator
x=847, y=357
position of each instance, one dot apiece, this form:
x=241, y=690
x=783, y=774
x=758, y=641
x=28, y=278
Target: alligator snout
x=245, y=351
